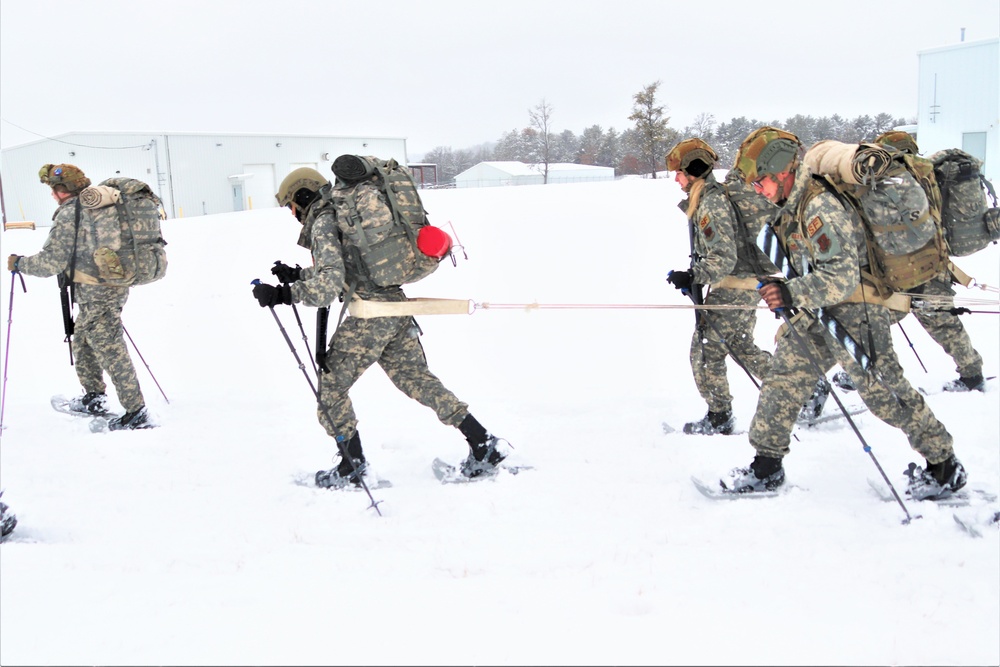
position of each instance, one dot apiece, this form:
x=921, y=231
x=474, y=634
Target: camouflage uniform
x=826, y=236
x=392, y=342
x=720, y=253
x=945, y=328
x=98, y=342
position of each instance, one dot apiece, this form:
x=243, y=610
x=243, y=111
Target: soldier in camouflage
x=720, y=260
x=391, y=342
x=98, y=343
x=818, y=233
x=935, y=315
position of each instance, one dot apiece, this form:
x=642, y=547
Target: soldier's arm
x=54, y=257
x=828, y=232
x=716, y=226
x=323, y=282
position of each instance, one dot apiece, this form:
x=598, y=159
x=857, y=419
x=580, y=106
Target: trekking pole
x=910, y=343
x=144, y=362
x=339, y=439
x=305, y=339
x=6, y=354
x=847, y=415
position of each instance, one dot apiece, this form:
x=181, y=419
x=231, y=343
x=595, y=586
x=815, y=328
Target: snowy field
x=192, y=544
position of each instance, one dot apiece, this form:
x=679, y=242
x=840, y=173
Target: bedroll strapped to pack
x=970, y=224
x=380, y=214
x=119, y=240
x=895, y=197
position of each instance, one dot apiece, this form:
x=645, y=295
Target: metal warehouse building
x=194, y=174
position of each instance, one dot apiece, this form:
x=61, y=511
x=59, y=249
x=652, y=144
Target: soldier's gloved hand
x=681, y=280
x=12, y=263
x=285, y=273
x=268, y=295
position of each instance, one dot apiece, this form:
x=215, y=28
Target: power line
x=70, y=143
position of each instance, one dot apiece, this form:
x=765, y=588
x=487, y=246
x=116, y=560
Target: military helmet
x=767, y=150
x=69, y=176
x=303, y=178
x=692, y=156
x=899, y=140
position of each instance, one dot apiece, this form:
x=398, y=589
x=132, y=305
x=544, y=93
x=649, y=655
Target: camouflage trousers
x=946, y=329
x=886, y=392
x=393, y=343
x=99, y=344
x=709, y=352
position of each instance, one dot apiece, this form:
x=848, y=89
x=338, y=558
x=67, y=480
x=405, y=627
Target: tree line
x=641, y=148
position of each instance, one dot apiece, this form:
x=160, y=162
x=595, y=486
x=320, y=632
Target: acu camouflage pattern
x=969, y=224
x=98, y=345
x=826, y=243
x=391, y=342
x=718, y=254
x=945, y=328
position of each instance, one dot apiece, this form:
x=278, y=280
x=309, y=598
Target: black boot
x=937, y=480
x=973, y=383
x=765, y=473
x=137, y=419
x=487, y=450
x=712, y=423
x=350, y=470
x=91, y=403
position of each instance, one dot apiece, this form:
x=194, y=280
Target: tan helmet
x=692, y=156
x=67, y=177
x=303, y=178
x=767, y=150
x=899, y=140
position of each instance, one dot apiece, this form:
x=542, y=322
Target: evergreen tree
x=651, y=126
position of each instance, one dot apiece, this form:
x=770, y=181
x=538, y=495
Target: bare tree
x=541, y=120
x=651, y=125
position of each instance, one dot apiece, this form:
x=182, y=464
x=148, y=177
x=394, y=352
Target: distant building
x=958, y=103
x=194, y=174
x=492, y=174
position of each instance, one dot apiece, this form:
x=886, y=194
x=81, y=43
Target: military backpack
x=970, y=223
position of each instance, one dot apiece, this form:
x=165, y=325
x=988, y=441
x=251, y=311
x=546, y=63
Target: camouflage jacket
x=334, y=266
x=823, y=241
x=714, y=231
x=56, y=253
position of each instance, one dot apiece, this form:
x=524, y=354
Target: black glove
x=285, y=273
x=682, y=280
x=267, y=295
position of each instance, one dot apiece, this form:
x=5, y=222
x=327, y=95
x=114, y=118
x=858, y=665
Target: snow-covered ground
x=193, y=543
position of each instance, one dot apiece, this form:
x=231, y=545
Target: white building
x=491, y=174
x=958, y=103
x=194, y=174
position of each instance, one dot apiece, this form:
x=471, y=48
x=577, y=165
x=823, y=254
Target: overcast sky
x=457, y=72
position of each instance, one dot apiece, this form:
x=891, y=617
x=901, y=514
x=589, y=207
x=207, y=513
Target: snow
x=192, y=543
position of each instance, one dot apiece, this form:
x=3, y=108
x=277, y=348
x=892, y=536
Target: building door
x=238, y=195
x=974, y=143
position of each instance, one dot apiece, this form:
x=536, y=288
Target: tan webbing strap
x=961, y=277
x=732, y=282
x=867, y=294
x=367, y=309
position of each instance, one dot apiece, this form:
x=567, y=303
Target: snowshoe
x=138, y=419
x=843, y=381
x=974, y=383
x=343, y=475
x=937, y=481
x=712, y=423
x=91, y=404
x=813, y=408
x=485, y=457
x=763, y=474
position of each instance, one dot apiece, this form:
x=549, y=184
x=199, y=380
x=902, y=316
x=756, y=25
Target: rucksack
x=900, y=212
x=379, y=217
x=121, y=243
x=970, y=224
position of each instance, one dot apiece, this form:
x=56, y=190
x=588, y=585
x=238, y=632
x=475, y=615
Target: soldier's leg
x=88, y=368
x=405, y=363
x=739, y=327
x=786, y=387
x=947, y=329
x=104, y=336
x=887, y=393
x=708, y=365
x=357, y=345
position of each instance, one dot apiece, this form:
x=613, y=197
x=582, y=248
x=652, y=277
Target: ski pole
x=339, y=439
x=847, y=415
x=144, y=362
x=6, y=354
x=903, y=331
